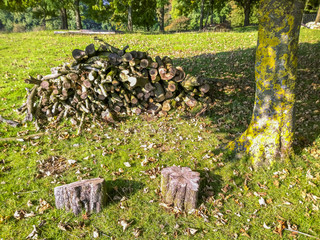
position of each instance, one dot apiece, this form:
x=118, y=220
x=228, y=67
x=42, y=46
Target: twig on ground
x=306, y=234
x=22, y=138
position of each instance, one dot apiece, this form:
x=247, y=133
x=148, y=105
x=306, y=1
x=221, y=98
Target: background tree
x=144, y=13
x=270, y=134
x=160, y=11
x=198, y=10
x=318, y=16
x=76, y=8
x=247, y=6
x=134, y=13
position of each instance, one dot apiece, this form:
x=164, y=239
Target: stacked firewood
x=108, y=81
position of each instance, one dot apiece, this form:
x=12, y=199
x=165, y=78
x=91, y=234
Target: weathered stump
x=179, y=186
x=89, y=194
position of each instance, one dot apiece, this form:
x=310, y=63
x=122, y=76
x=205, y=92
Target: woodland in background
x=129, y=15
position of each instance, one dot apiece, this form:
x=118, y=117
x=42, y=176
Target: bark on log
x=179, y=186
x=89, y=195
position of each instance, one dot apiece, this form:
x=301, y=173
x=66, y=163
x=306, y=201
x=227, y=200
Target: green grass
x=230, y=190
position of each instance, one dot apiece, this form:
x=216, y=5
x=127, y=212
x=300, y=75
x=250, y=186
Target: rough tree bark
x=77, y=13
x=64, y=18
x=318, y=16
x=89, y=194
x=130, y=24
x=270, y=133
x=201, y=14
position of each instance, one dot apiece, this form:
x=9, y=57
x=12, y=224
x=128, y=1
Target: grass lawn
x=235, y=201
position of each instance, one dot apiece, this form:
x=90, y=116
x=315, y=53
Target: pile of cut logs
x=108, y=81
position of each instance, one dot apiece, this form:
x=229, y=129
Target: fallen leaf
x=137, y=232
x=64, y=226
x=191, y=231
x=262, y=202
x=44, y=205
x=95, y=234
x=127, y=164
x=124, y=223
x=280, y=227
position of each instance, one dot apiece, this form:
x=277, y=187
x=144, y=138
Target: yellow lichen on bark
x=270, y=133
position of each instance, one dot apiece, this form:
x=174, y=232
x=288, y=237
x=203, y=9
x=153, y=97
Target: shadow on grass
x=210, y=185
x=231, y=75
x=121, y=188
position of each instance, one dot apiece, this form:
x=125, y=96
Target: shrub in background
x=18, y=27
x=180, y=24
x=236, y=16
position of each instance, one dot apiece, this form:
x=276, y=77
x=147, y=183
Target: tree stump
x=89, y=194
x=179, y=186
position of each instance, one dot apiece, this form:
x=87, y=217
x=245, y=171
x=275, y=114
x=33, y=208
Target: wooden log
x=32, y=80
x=144, y=63
x=138, y=81
x=153, y=108
x=105, y=47
x=148, y=87
x=9, y=122
x=204, y=88
x=79, y=55
x=166, y=106
x=90, y=50
x=30, y=102
x=180, y=75
x=180, y=186
x=190, y=82
x=73, y=77
x=127, y=57
x=190, y=101
x=159, y=92
x=153, y=72
x=141, y=55
x=45, y=85
x=89, y=194
x=51, y=76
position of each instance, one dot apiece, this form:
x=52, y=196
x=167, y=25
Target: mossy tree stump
x=179, y=186
x=89, y=194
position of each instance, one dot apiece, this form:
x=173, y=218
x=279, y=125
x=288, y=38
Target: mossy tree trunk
x=270, y=133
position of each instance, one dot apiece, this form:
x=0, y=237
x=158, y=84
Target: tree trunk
x=88, y=194
x=318, y=16
x=130, y=25
x=77, y=13
x=211, y=9
x=64, y=18
x=161, y=18
x=201, y=14
x=247, y=11
x=180, y=186
x=270, y=134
